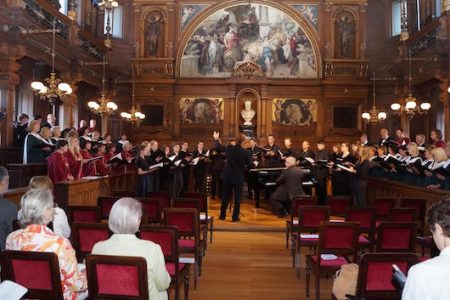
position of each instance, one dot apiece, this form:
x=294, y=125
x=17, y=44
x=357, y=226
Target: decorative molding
x=248, y=70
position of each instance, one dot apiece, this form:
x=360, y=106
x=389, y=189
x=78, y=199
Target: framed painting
x=201, y=110
x=294, y=111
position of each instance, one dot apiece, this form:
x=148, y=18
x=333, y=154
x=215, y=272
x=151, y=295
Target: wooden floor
x=254, y=266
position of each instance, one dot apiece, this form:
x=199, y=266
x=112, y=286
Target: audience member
x=8, y=210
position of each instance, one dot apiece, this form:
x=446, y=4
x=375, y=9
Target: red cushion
x=403, y=217
x=163, y=239
x=117, y=280
x=183, y=243
x=363, y=240
x=151, y=208
x=170, y=267
x=339, y=261
x=383, y=206
x=32, y=274
x=339, y=237
x=379, y=275
x=338, y=206
x=309, y=240
x=84, y=216
x=89, y=237
x=396, y=238
x=182, y=220
x=363, y=217
x=312, y=218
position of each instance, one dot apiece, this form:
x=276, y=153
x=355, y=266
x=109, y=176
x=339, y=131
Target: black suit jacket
x=236, y=162
x=290, y=181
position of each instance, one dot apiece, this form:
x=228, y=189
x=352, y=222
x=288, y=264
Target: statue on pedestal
x=248, y=113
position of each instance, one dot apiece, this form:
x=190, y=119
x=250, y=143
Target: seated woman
x=36, y=212
x=124, y=221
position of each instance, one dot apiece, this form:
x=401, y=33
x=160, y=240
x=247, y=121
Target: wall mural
x=294, y=111
x=310, y=12
x=189, y=12
x=201, y=110
x=251, y=32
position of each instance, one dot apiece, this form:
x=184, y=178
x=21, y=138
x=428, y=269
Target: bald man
x=289, y=186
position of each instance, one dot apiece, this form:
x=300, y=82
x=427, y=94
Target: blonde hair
x=74, y=147
x=31, y=125
x=45, y=132
x=439, y=154
x=364, y=153
x=40, y=182
x=413, y=149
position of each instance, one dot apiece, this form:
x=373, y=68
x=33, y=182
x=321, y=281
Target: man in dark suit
x=321, y=172
x=8, y=210
x=255, y=154
x=289, y=186
x=237, y=159
x=385, y=139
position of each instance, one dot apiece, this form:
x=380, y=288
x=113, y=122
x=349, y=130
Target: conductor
x=289, y=186
x=233, y=176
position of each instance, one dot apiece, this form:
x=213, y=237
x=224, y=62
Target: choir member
x=401, y=139
x=364, y=141
x=441, y=160
x=321, y=173
x=287, y=151
x=199, y=169
x=217, y=158
x=414, y=163
x=289, y=186
x=385, y=139
x=89, y=165
x=35, y=145
x=56, y=134
x=156, y=156
x=58, y=166
x=119, y=144
x=335, y=152
x=255, y=154
x=83, y=124
x=436, y=138
x=74, y=157
x=177, y=171
x=361, y=171
x=46, y=135
x=165, y=173
x=355, y=149
x=20, y=130
x=92, y=126
x=96, y=139
x=341, y=179
x=85, y=134
x=420, y=141
x=271, y=153
x=127, y=156
x=101, y=166
x=305, y=154
x=143, y=170
x=187, y=156
x=107, y=139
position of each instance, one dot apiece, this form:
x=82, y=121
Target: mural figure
x=249, y=33
x=300, y=112
x=310, y=12
x=189, y=12
x=201, y=110
x=346, y=27
x=152, y=33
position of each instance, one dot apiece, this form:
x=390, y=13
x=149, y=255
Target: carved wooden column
x=446, y=5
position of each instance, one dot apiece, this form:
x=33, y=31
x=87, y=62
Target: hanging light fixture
x=52, y=88
x=133, y=115
x=411, y=106
x=103, y=105
x=109, y=6
x=373, y=116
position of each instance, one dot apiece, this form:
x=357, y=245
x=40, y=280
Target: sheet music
x=207, y=153
x=345, y=168
x=177, y=163
x=310, y=159
x=118, y=156
x=194, y=162
x=160, y=165
x=172, y=158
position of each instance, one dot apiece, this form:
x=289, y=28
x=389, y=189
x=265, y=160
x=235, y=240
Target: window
x=116, y=22
x=396, y=18
x=437, y=8
x=64, y=6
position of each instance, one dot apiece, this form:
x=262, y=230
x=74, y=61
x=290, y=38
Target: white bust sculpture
x=247, y=113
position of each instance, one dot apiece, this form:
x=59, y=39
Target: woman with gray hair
x=37, y=211
x=124, y=221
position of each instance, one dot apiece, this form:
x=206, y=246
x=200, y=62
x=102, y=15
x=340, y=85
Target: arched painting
x=250, y=32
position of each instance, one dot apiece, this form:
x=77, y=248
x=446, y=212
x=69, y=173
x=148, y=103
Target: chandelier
x=373, y=116
x=53, y=88
x=411, y=106
x=133, y=115
x=109, y=6
x=106, y=106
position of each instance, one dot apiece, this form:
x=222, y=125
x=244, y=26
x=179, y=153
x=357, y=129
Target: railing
x=344, y=68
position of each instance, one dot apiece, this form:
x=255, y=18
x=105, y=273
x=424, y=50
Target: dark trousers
x=228, y=188
x=186, y=175
x=359, y=193
x=156, y=181
x=322, y=190
x=199, y=180
x=177, y=183
x=216, y=183
x=252, y=183
x=144, y=185
x=280, y=206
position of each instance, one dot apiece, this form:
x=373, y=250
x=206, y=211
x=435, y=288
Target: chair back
x=37, y=271
x=419, y=204
x=298, y=202
x=152, y=210
x=105, y=204
x=122, y=194
x=340, y=238
x=338, y=204
x=309, y=217
x=163, y=196
x=117, y=277
x=375, y=274
x=403, y=215
x=203, y=197
x=383, y=205
x=186, y=203
x=396, y=237
x=86, y=235
x=165, y=236
x=365, y=216
x=80, y=214
x=186, y=220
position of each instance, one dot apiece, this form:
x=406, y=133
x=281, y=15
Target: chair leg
x=298, y=264
x=211, y=232
x=177, y=288
x=200, y=260
x=186, y=284
x=317, y=288
x=195, y=274
x=287, y=237
x=308, y=278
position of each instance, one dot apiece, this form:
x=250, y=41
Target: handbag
x=345, y=281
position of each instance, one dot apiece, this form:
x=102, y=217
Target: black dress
x=35, y=154
x=341, y=179
x=143, y=187
x=360, y=183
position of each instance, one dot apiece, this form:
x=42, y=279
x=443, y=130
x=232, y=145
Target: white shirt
x=60, y=223
x=130, y=245
x=429, y=280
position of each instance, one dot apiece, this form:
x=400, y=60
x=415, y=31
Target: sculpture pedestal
x=248, y=130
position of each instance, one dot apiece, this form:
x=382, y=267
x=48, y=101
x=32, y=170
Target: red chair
x=83, y=214
x=336, y=238
x=396, y=237
x=338, y=204
x=310, y=218
x=382, y=206
x=86, y=235
x=37, y=271
x=167, y=238
x=365, y=216
x=403, y=215
x=105, y=204
x=123, y=194
x=186, y=220
x=152, y=211
x=117, y=277
x=163, y=196
x=375, y=274
x=419, y=204
x=292, y=224
x=204, y=217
